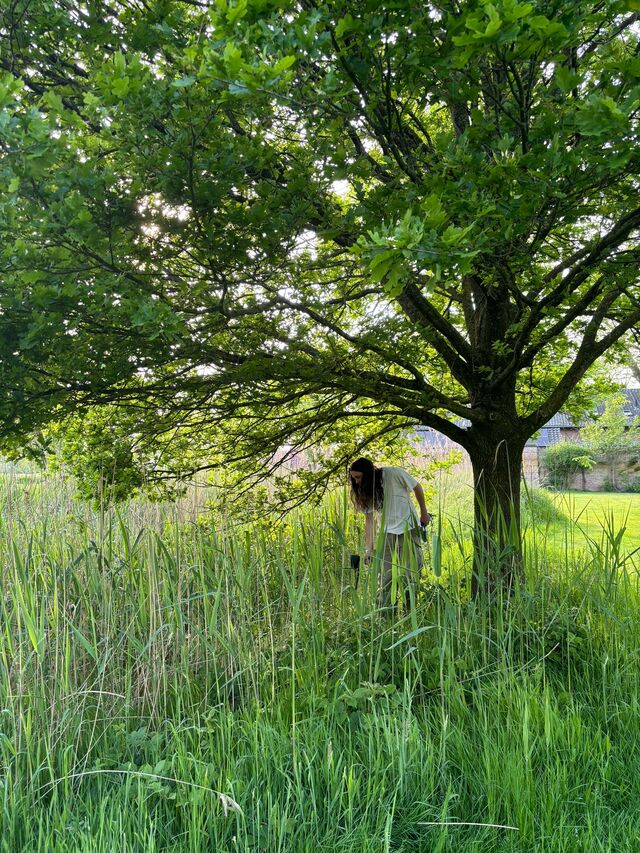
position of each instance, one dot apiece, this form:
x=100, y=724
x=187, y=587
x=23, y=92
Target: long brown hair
x=368, y=493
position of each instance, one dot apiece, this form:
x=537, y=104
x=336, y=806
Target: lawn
x=558, y=525
x=593, y=513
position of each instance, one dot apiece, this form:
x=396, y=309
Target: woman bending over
x=387, y=490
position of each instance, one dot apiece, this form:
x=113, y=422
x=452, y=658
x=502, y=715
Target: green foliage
x=561, y=461
x=112, y=457
x=630, y=483
x=610, y=434
x=613, y=439
x=608, y=438
x=451, y=208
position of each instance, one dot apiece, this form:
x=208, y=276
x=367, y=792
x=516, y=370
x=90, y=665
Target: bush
x=563, y=460
x=630, y=483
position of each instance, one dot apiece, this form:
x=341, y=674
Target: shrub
x=630, y=483
x=564, y=459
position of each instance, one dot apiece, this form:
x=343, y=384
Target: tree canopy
x=253, y=222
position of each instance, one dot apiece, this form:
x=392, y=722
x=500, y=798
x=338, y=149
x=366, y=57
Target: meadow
x=177, y=679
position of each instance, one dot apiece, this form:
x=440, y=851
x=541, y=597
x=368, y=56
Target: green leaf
x=600, y=116
x=494, y=22
x=119, y=62
x=436, y=555
x=545, y=28
x=239, y=88
x=474, y=23
x=232, y=57
x=411, y=635
x=235, y=13
x=394, y=283
x=86, y=645
x=539, y=23
x=435, y=215
x=120, y=86
x=31, y=276
x=345, y=24
x=184, y=82
x=283, y=63
x=53, y=101
x=380, y=259
x=453, y=236
x=515, y=11
x=566, y=79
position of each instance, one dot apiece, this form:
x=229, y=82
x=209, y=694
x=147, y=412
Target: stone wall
x=598, y=478
x=530, y=466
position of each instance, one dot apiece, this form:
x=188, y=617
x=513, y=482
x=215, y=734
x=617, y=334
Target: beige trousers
x=402, y=558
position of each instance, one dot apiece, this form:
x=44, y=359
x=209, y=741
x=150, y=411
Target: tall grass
x=174, y=683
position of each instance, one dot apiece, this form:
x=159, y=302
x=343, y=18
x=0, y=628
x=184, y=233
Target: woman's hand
x=425, y=515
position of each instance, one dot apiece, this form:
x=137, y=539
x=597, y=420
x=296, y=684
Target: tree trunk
x=497, y=552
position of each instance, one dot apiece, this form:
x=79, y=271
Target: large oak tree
x=276, y=216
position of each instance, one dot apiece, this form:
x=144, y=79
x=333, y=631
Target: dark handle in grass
x=355, y=565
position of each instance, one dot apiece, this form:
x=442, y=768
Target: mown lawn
x=595, y=513
x=566, y=524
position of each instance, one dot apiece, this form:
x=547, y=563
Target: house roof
x=632, y=410
x=545, y=437
x=633, y=402
x=560, y=420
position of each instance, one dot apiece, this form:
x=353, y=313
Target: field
x=173, y=680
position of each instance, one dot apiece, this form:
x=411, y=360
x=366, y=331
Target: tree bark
x=497, y=472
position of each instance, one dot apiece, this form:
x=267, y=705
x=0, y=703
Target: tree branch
x=442, y=335
x=588, y=352
x=587, y=258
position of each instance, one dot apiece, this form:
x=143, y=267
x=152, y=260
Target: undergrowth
x=173, y=683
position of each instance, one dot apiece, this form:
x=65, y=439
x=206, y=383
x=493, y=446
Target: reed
x=171, y=681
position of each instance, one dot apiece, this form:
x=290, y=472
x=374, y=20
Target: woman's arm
x=425, y=516
x=369, y=533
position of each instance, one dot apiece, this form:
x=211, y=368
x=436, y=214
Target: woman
x=388, y=490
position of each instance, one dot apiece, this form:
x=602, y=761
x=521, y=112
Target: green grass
x=154, y=664
x=593, y=511
x=570, y=525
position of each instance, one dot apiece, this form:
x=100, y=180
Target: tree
x=632, y=360
x=564, y=459
x=255, y=221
